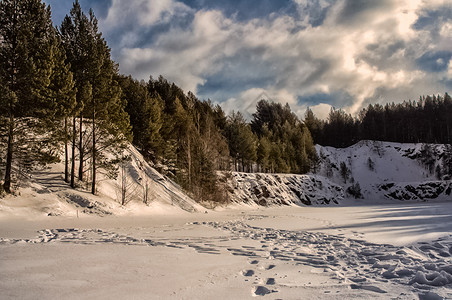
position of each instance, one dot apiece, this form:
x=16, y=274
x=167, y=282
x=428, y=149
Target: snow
x=319, y=252
x=283, y=189
x=398, y=173
x=56, y=242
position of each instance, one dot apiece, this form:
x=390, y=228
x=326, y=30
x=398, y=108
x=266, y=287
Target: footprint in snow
x=367, y=288
x=270, y=281
x=269, y=267
x=262, y=291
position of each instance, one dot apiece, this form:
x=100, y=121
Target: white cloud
x=321, y=110
x=142, y=12
x=364, y=57
x=247, y=100
x=134, y=16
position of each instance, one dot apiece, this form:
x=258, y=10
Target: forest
x=427, y=120
x=61, y=89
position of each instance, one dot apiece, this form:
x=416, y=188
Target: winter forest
x=119, y=185
x=60, y=86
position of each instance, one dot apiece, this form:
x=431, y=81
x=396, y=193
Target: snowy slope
x=397, y=173
x=283, y=189
x=384, y=171
x=397, y=170
x=46, y=193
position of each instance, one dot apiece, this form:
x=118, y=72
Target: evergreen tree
x=62, y=87
x=99, y=95
x=263, y=153
x=344, y=171
x=292, y=148
x=30, y=63
x=314, y=125
x=75, y=33
x=242, y=142
x=146, y=117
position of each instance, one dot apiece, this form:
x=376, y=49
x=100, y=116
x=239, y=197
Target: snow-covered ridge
x=283, y=189
x=382, y=171
x=387, y=170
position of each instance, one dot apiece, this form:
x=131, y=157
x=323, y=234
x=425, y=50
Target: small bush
x=355, y=191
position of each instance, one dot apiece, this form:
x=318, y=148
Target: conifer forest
x=61, y=89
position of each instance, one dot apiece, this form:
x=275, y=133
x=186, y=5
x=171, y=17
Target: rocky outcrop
x=282, y=189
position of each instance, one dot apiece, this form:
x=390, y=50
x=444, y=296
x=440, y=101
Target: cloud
x=350, y=53
x=321, y=110
x=127, y=22
x=142, y=12
x=435, y=61
x=247, y=100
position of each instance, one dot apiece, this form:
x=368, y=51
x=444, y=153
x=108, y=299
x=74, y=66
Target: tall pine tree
x=29, y=62
x=103, y=122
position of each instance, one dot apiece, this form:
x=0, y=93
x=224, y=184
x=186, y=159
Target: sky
x=318, y=54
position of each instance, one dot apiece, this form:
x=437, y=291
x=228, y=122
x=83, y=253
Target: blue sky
x=319, y=53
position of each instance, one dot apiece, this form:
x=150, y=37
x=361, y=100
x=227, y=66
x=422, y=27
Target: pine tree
x=78, y=45
x=242, y=142
x=146, y=117
x=63, y=92
x=29, y=63
x=263, y=153
x=314, y=125
x=99, y=94
x=344, y=171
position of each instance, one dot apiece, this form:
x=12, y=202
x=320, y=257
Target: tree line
x=190, y=140
x=427, y=120
x=60, y=89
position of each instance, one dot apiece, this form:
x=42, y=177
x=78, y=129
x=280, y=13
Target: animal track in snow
x=357, y=262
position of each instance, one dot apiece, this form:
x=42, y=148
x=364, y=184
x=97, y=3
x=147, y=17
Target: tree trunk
x=73, y=153
x=93, y=184
x=123, y=183
x=66, y=155
x=80, y=169
x=9, y=155
x=189, y=160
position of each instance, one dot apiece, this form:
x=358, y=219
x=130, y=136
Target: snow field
x=56, y=242
x=238, y=254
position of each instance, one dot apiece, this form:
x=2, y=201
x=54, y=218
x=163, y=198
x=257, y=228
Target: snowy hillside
x=283, y=189
x=45, y=193
x=369, y=170
x=383, y=171
x=386, y=170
